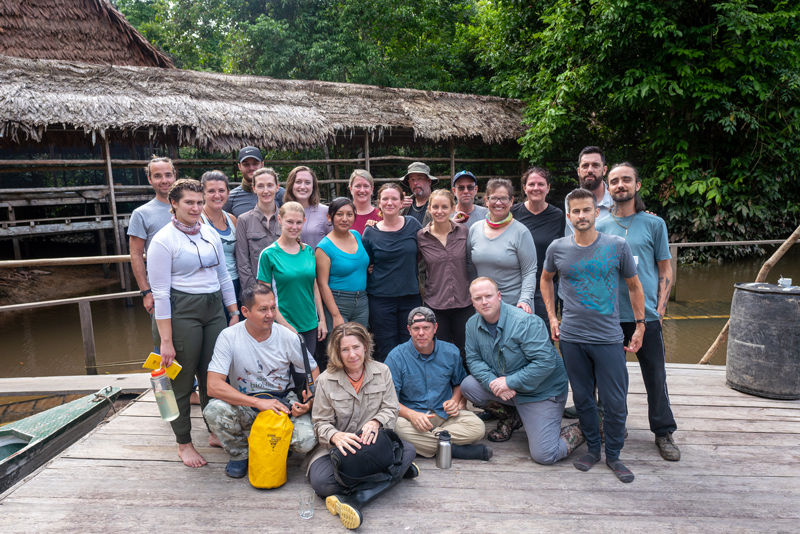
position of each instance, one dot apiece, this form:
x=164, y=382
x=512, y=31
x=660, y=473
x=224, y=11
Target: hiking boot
x=412, y=471
x=506, y=426
x=573, y=435
x=570, y=412
x=485, y=416
x=667, y=448
x=236, y=468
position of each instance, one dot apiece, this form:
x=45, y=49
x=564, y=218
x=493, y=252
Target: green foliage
x=702, y=96
x=421, y=44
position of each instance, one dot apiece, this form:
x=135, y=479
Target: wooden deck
x=740, y=472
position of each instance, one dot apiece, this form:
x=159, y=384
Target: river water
x=47, y=341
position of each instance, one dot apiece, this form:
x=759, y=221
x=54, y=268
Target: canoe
x=29, y=443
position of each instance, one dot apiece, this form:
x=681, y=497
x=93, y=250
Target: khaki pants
x=465, y=428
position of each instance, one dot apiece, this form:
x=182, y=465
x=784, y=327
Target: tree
x=703, y=96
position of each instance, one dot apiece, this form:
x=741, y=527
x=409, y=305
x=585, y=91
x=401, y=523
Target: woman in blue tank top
x=216, y=195
x=342, y=264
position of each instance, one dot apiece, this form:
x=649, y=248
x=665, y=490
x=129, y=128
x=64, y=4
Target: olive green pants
x=197, y=320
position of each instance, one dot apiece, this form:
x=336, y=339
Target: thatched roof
x=91, y=31
x=219, y=112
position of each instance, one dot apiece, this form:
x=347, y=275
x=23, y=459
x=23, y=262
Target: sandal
x=506, y=427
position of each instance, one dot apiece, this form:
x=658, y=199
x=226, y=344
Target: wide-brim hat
x=418, y=168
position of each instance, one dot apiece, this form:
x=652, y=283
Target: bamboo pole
x=762, y=277
x=452, y=157
x=366, y=151
x=50, y=262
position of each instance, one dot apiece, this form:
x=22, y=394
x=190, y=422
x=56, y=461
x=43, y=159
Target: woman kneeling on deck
x=190, y=282
x=355, y=402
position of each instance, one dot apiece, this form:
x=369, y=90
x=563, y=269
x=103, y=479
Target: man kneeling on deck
x=513, y=362
x=254, y=356
x=427, y=375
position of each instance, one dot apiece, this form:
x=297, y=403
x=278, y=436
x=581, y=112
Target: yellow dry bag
x=269, y=442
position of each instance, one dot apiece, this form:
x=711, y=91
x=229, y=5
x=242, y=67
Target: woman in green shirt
x=288, y=265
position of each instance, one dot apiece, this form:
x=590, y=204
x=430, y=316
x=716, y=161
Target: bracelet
x=233, y=312
x=145, y=292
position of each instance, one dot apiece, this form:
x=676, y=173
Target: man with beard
x=242, y=198
x=419, y=180
x=647, y=236
x=591, y=340
x=591, y=172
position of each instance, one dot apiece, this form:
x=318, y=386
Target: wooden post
x=452, y=158
x=673, y=262
x=14, y=241
x=366, y=150
x=126, y=267
x=101, y=234
x=87, y=331
x=112, y=198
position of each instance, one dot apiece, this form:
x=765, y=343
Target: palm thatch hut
x=45, y=102
x=91, y=31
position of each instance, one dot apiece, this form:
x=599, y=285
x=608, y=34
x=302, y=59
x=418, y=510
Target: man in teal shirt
x=647, y=236
x=513, y=362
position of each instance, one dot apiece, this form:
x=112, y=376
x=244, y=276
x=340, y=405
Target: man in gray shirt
x=148, y=219
x=465, y=187
x=242, y=198
x=591, y=174
x=591, y=339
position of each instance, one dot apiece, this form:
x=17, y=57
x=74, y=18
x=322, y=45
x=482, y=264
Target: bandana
x=185, y=228
x=499, y=224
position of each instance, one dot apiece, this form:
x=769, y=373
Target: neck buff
x=500, y=224
x=185, y=228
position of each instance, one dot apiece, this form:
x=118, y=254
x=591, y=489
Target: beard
x=623, y=197
x=591, y=182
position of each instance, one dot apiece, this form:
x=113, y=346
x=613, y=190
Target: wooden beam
x=673, y=291
x=49, y=262
x=452, y=158
x=366, y=152
x=87, y=331
x=112, y=199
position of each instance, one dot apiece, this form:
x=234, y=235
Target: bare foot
x=190, y=456
x=213, y=441
x=194, y=399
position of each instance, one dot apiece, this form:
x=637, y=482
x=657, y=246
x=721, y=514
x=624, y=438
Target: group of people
x=414, y=307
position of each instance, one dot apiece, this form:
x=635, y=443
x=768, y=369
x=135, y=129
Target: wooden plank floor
x=740, y=472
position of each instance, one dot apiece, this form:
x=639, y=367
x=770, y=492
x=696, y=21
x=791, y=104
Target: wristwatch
x=641, y=321
x=233, y=312
x=145, y=292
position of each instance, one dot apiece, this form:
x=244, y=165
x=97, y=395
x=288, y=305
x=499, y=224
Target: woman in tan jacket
x=354, y=398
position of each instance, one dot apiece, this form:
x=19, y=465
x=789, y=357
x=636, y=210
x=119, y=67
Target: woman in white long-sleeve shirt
x=190, y=283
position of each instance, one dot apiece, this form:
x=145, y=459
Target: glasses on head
x=470, y=187
x=193, y=242
x=498, y=200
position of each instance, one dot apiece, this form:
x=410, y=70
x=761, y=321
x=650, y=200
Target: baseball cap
x=249, y=152
x=427, y=315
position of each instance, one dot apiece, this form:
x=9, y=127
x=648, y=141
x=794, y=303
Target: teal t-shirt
x=348, y=271
x=647, y=237
x=292, y=278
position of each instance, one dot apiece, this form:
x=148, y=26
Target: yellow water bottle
x=165, y=397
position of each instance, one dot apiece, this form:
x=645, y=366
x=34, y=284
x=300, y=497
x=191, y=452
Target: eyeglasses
x=498, y=200
x=465, y=187
x=193, y=242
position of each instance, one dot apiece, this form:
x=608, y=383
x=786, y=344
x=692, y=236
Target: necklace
x=359, y=376
x=421, y=208
x=499, y=224
x=210, y=220
x=633, y=217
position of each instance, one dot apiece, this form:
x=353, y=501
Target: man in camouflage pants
x=252, y=358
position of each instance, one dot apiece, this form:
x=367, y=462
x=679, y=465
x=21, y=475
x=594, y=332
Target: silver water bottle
x=444, y=451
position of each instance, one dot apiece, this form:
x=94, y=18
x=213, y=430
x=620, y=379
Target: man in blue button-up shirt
x=513, y=362
x=427, y=376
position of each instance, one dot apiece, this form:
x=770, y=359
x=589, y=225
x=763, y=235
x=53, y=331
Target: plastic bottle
x=165, y=397
x=444, y=451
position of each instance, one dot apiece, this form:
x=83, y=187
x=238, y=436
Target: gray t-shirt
x=589, y=287
x=478, y=215
x=647, y=237
x=148, y=219
x=509, y=259
x=253, y=367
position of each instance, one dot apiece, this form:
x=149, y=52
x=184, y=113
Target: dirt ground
x=50, y=283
